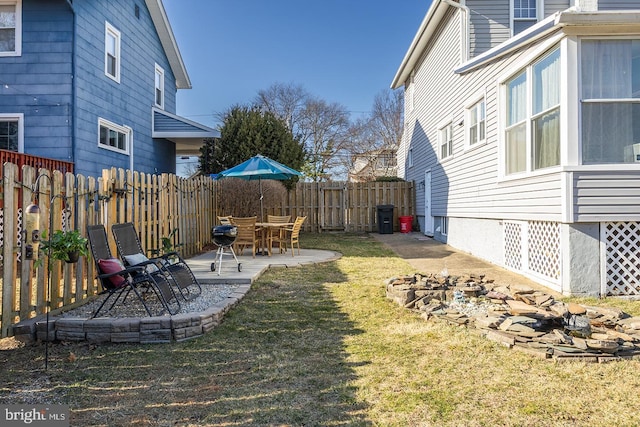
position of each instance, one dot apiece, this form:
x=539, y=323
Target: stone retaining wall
x=144, y=330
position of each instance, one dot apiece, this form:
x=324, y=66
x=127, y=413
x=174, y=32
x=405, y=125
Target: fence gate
x=331, y=201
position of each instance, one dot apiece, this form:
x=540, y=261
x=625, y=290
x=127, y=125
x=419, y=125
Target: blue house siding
x=58, y=83
x=38, y=83
x=127, y=103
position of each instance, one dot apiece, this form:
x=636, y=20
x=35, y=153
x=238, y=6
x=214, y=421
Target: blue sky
x=343, y=51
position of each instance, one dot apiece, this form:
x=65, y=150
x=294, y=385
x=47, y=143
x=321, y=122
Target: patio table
x=266, y=227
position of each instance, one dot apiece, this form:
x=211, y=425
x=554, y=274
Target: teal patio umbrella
x=260, y=167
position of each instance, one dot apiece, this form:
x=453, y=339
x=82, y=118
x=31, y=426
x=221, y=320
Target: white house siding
x=488, y=25
x=430, y=80
x=606, y=196
x=553, y=6
x=618, y=4
x=467, y=184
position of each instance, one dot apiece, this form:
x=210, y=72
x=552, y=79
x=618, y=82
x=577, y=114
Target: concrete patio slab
x=252, y=268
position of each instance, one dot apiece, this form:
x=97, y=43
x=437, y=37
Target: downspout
x=72, y=120
x=130, y=132
x=465, y=27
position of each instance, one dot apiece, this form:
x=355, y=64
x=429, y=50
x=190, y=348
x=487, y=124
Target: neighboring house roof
x=165, y=33
x=187, y=135
x=371, y=164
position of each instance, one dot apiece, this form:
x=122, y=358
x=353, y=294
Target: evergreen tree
x=246, y=132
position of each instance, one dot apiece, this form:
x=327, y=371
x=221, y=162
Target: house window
x=11, y=132
x=525, y=14
x=446, y=141
x=476, y=120
x=533, y=116
x=610, y=101
x=444, y=225
x=10, y=28
x=113, y=137
x=410, y=158
x=112, y=52
x=159, y=87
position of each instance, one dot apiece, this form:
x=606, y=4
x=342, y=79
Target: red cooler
x=405, y=223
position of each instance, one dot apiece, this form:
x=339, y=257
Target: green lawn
x=321, y=346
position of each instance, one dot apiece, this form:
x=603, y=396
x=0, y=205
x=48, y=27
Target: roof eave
x=168, y=41
x=565, y=19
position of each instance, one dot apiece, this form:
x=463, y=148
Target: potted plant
x=64, y=245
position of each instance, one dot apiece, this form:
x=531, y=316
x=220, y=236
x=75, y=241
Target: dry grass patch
x=321, y=345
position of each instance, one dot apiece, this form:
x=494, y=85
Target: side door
x=428, y=219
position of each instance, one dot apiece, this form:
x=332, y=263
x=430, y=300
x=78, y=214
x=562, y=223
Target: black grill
x=224, y=235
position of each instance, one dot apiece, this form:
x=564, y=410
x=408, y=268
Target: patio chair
x=247, y=235
x=225, y=220
x=293, y=234
x=119, y=281
x=131, y=253
x=277, y=235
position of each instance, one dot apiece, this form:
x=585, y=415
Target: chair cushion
x=112, y=265
x=136, y=259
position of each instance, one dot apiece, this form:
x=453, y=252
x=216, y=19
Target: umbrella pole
x=261, y=197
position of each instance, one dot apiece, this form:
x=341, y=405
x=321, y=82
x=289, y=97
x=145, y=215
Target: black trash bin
x=385, y=219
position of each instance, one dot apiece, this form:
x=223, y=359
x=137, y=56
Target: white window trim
x=441, y=128
x=118, y=128
x=410, y=95
x=444, y=225
x=158, y=71
x=524, y=62
x=5, y=117
x=18, y=5
x=538, y=18
x=467, y=121
x=111, y=30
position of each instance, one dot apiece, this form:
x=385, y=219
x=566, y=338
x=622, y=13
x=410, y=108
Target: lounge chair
x=131, y=253
x=116, y=279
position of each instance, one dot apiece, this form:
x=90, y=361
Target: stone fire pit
x=520, y=317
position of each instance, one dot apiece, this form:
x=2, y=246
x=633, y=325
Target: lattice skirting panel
x=533, y=247
x=513, y=233
x=620, y=242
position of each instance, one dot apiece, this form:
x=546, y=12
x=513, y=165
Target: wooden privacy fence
x=347, y=206
x=157, y=205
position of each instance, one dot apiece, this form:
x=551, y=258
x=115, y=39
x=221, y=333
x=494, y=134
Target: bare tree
x=325, y=127
x=285, y=101
x=374, y=140
x=387, y=118
x=320, y=126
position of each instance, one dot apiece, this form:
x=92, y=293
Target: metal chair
x=131, y=252
x=117, y=280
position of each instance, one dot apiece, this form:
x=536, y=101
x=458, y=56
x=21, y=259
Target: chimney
x=586, y=5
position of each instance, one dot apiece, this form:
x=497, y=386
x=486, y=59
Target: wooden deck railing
x=21, y=159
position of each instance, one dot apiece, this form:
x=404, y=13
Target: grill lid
x=224, y=235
